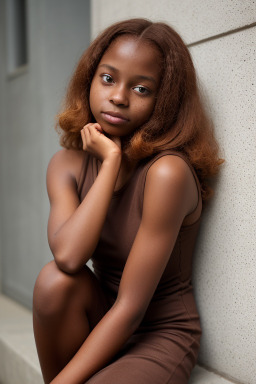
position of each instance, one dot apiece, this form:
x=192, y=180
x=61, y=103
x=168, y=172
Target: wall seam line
x=220, y=374
x=223, y=34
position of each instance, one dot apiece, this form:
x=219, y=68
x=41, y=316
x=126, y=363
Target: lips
x=114, y=117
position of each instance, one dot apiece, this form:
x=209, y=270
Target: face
x=125, y=85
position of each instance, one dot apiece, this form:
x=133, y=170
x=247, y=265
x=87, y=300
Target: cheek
x=145, y=110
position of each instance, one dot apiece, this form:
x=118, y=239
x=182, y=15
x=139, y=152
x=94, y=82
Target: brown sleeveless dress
x=164, y=348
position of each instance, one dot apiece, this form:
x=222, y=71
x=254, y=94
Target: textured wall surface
x=224, y=270
x=29, y=103
x=195, y=20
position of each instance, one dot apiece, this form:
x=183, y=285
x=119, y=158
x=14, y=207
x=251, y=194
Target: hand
x=99, y=145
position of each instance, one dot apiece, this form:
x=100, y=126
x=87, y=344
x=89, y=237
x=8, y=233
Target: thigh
x=151, y=359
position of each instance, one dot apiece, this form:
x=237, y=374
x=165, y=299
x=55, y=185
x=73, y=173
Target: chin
x=113, y=131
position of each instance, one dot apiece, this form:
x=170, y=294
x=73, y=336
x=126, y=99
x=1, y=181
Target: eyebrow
x=139, y=77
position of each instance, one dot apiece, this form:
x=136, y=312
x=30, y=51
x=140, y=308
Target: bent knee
x=51, y=290
x=55, y=289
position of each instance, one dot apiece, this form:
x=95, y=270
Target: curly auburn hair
x=178, y=120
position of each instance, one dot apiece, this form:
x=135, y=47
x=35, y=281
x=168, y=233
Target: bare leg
x=65, y=309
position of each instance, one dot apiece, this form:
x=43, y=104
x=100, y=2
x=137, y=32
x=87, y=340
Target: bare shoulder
x=66, y=162
x=63, y=172
x=171, y=178
x=170, y=169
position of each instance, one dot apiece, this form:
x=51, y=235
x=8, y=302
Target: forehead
x=138, y=54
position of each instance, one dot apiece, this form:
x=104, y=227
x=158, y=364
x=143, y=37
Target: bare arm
x=172, y=188
x=74, y=228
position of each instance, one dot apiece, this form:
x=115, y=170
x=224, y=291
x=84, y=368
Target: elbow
x=68, y=257
x=67, y=267
x=67, y=264
x=64, y=258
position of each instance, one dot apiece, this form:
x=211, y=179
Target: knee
x=52, y=290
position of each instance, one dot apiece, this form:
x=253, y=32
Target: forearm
x=73, y=244
x=100, y=347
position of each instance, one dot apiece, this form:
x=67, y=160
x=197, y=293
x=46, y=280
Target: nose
x=119, y=96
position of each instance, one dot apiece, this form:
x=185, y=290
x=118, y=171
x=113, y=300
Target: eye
x=142, y=90
x=107, y=78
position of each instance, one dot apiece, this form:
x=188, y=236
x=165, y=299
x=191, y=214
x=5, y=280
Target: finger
x=87, y=125
x=94, y=131
x=93, y=127
x=98, y=128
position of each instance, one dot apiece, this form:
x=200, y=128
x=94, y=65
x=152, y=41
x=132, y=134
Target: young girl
x=126, y=192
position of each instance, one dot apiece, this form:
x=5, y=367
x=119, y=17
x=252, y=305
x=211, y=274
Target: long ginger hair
x=178, y=121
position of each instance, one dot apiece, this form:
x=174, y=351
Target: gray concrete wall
x=58, y=33
x=222, y=36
